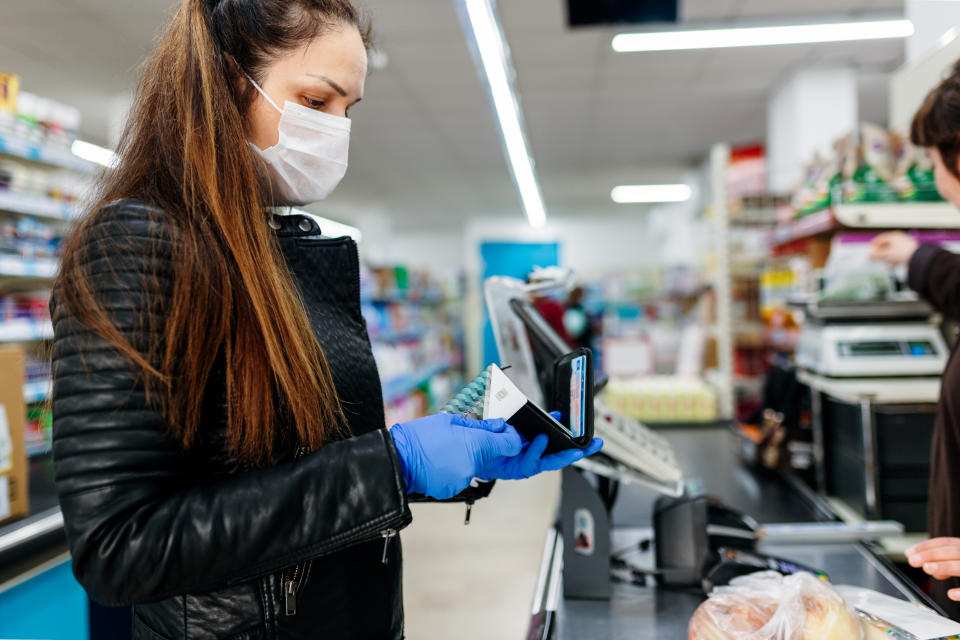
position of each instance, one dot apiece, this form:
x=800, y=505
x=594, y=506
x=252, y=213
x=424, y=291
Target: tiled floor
x=477, y=582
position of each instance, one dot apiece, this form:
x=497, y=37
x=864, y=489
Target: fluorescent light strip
x=494, y=59
x=94, y=153
x=651, y=193
x=762, y=36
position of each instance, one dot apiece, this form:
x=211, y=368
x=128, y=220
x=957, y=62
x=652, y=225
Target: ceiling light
x=651, y=193
x=762, y=36
x=498, y=71
x=93, y=153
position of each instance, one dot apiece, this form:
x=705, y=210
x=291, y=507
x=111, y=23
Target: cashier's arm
x=934, y=273
x=940, y=558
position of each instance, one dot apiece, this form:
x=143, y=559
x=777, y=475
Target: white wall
x=910, y=85
x=805, y=115
x=931, y=20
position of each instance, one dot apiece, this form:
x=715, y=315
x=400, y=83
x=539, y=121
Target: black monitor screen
x=595, y=12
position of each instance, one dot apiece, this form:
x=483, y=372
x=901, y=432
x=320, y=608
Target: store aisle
x=477, y=582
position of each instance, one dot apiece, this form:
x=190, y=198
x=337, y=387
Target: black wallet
x=493, y=395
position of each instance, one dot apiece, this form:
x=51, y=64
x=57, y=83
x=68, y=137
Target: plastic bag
x=769, y=606
x=850, y=274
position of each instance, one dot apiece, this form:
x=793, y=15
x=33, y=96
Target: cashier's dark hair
x=184, y=149
x=937, y=122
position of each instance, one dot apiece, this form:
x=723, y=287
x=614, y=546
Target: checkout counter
x=602, y=575
x=658, y=612
x=874, y=370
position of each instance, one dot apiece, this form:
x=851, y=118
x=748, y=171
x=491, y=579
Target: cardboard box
x=14, y=491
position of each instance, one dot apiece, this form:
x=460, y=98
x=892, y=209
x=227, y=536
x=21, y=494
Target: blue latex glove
x=531, y=460
x=441, y=454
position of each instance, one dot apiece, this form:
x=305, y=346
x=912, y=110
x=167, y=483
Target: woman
x=935, y=275
x=219, y=440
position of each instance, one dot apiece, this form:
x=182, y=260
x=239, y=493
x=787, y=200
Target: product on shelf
x=662, y=399
x=416, y=329
x=25, y=306
x=870, y=165
x=410, y=285
x=26, y=237
x=13, y=460
x=38, y=119
x=39, y=181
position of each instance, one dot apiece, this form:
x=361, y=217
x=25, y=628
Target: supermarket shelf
x=37, y=448
x=869, y=215
x=44, y=154
x=36, y=391
x=17, y=267
x=399, y=299
x=912, y=215
x=805, y=227
x=25, y=330
x=400, y=387
x=754, y=217
x=409, y=335
x=37, y=205
x=749, y=384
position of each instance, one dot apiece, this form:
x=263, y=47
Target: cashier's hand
x=441, y=454
x=940, y=558
x=894, y=247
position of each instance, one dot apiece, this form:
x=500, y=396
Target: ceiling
x=426, y=150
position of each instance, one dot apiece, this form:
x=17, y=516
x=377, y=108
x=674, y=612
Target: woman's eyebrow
x=336, y=87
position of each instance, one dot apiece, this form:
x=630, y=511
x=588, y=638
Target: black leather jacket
x=201, y=547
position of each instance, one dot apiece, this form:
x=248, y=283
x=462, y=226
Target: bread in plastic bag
x=769, y=606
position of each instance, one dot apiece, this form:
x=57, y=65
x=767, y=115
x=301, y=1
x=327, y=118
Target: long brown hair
x=937, y=122
x=184, y=151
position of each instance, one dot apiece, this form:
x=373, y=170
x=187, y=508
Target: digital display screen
x=922, y=348
x=915, y=348
x=592, y=12
x=578, y=391
x=871, y=348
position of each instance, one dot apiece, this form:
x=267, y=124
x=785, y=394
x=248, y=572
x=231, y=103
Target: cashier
x=935, y=275
x=220, y=448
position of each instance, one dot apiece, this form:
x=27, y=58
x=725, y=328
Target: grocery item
x=851, y=276
x=875, y=170
x=769, y=606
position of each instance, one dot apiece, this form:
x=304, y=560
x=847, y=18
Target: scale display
x=888, y=348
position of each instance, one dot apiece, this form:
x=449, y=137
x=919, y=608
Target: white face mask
x=310, y=157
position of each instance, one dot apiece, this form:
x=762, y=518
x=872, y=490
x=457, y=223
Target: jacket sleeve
x=140, y=525
x=934, y=273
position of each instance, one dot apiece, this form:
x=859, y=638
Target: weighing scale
x=872, y=340
x=874, y=372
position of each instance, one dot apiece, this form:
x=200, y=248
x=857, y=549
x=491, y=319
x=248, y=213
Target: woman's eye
x=315, y=104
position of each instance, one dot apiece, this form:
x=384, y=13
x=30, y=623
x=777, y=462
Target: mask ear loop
x=261, y=91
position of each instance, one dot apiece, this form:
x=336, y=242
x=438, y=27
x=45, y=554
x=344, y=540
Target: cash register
x=699, y=541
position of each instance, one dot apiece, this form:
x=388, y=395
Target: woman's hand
x=532, y=460
x=940, y=558
x=441, y=454
x=894, y=247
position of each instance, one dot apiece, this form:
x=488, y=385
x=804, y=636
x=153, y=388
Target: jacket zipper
x=292, y=578
x=387, y=536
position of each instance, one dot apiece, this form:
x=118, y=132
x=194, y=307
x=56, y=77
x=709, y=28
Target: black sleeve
x=934, y=273
x=139, y=525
